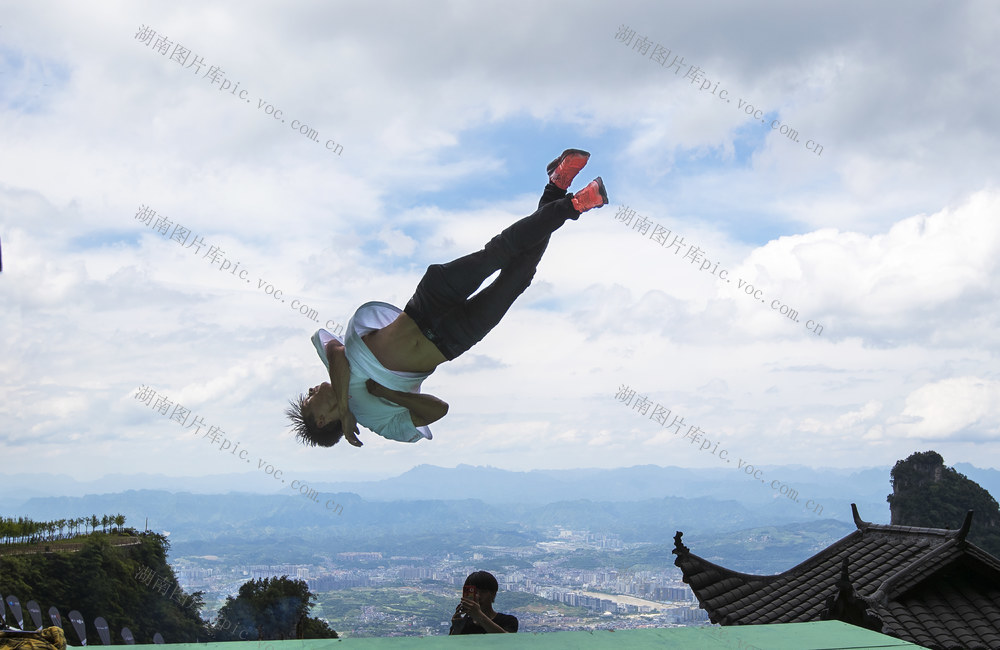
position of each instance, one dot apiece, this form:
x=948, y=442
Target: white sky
x=447, y=114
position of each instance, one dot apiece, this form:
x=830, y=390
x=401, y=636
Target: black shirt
x=468, y=626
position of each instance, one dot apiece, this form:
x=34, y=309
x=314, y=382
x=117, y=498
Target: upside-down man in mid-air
x=375, y=374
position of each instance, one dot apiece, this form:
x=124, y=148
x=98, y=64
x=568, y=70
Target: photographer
x=475, y=615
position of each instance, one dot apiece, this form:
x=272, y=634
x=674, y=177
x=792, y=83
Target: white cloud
x=889, y=239
x=918, y=280
x=957, y=407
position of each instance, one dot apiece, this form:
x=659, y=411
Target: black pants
x=441, y=307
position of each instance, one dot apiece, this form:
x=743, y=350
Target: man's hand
x=424, y=409
x=350, y=426
x=375, y=388
x=473, y=610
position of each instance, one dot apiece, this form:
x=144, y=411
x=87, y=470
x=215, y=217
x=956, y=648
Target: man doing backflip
x=376, y=371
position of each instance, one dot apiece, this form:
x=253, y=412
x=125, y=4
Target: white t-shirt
x=387, y=419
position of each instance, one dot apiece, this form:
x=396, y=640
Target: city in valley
x=547, y=585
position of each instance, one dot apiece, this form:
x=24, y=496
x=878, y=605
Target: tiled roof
x=927, y=585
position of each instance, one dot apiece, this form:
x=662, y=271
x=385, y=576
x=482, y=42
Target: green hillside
x=130, y=586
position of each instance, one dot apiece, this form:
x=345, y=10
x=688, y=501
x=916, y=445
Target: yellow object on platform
x=51, y=638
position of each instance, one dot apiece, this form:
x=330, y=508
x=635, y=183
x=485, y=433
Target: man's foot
x=592, y=196
x=564, y=169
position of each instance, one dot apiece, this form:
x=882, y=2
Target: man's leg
x=440, y=303
x=469, y=322
x=551, y=193
x=446, y=286
x=530, y=231
x=467, y=273
x=475, y=318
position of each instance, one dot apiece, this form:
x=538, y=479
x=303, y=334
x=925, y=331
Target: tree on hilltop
x=270, y=609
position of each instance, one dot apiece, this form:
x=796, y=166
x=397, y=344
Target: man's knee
x=519, y=277
x=432, y=276
x=500, y=251
x=525, y=265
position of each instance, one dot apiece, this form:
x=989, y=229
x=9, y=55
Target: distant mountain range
x=631, y=488
x=260, y=529
x=832, y=488
x=429, y=508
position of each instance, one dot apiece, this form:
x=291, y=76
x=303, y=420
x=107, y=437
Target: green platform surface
x=825, y=635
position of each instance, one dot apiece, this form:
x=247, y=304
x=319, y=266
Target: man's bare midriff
x=401, y=346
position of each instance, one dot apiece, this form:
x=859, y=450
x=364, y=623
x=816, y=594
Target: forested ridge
x=101, y=580
x=23, y=530
x=929, y=495
x=122, y=575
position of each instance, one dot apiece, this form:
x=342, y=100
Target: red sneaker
x=592, y=196
x=564, y=169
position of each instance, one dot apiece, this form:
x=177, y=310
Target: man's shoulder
x=506, y=621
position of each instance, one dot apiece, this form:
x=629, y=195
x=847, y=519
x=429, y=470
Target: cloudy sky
x=839, y=161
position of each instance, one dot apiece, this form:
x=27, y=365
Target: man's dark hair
x=307, y=431
x=483, y=580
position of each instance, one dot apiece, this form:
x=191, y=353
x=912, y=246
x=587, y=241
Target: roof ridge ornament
x=861, y=524
x=966, y=525
x=848, y=605
x=679, y=547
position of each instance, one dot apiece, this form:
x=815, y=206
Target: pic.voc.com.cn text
x=215, y=255
x=663, y=55
x=663, y=235
x=216, y=436
x=145, y=575
x=179, y=54
x=661, y=414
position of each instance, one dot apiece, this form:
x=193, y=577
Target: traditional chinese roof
x=925, y=585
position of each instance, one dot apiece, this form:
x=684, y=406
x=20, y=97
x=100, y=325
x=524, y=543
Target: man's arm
x=424, y=409
x=490, y=626
x=340, y=379
x=476, y=614
x=340, y=371
x=457, y=621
